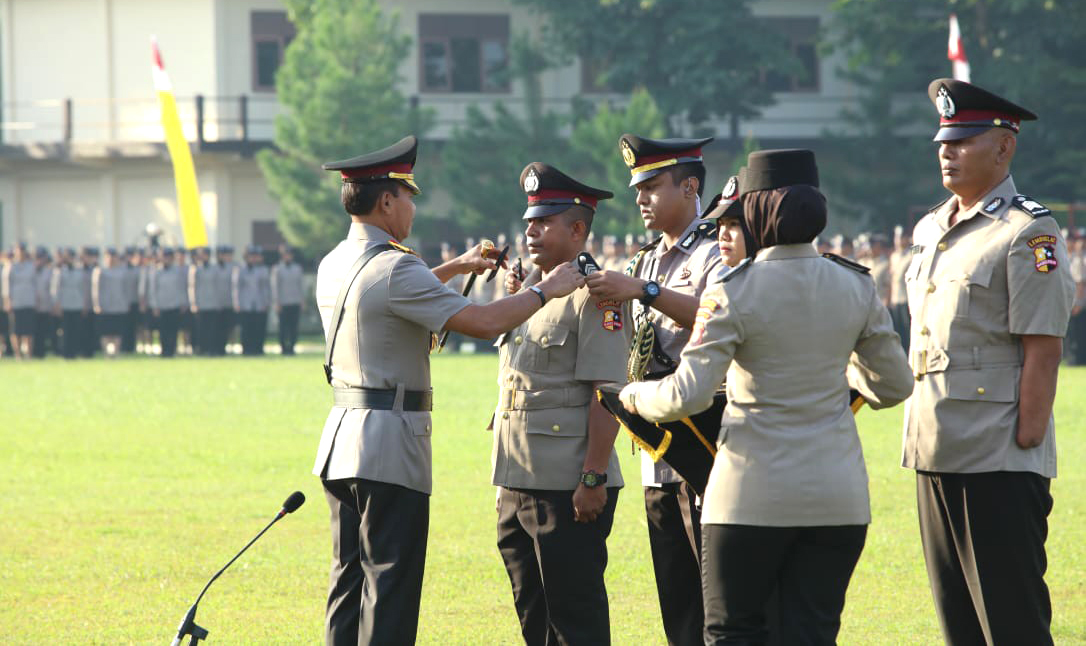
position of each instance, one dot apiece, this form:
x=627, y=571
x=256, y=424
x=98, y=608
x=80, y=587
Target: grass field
x=127, y=483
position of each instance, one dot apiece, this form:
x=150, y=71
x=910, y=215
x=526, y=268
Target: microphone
x=188, y=624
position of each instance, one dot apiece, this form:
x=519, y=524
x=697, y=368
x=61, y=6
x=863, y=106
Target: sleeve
x=191, y=285
x=234, y=279
x=603, y=341
x=5, y=280
x=415, y=294
x=718, y=331
x=54, y=285
x=96, y=277
x=713, y=263
x=878, y=367
x=152, y=289
x=1040, y=289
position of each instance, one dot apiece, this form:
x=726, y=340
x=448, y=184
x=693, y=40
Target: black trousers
x=206, y=332
x=90, y=340
x=379, y=535
x=227, y=320
x=984, y=545
x=167, y=323
x=71, y=327
x=807, y=568
x=131, y=324
x=45, y=334
x=254, y=330
x=288, y=327
x=556, y=566
x=674, y=522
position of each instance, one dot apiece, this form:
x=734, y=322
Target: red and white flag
x=956, y=53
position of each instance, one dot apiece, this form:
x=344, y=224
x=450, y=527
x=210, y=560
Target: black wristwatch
x=591, y=479
x=650, y=290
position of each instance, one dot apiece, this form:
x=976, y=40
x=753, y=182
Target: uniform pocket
x=418, y=422
x=547, y=341
x=968, y=285
x=557, y=422
x=986, y=385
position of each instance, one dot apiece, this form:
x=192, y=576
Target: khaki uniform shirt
x=899, y=262
x=383, y=342
x=686, y=268
x=974, y=288
x=548, y=365
x=793, y=331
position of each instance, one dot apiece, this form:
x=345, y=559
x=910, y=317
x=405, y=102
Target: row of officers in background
x=75, y=303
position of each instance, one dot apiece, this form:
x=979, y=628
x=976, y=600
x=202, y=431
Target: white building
x=82, y=159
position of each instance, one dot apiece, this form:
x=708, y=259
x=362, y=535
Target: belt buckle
x=922, y=369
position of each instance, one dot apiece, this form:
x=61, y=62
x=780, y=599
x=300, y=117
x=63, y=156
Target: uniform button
x=510, y=378
x=505, y=415
x=543, y=340
x=941, y=246
x=980, y=391
x=931, y=287
x=652, y=317
x=660, y=278
x=518, y=340
x=556, y=428
x=427, y=427
x=925, y=331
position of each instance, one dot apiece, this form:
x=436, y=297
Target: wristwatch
x=591, y=479
x=650, y=291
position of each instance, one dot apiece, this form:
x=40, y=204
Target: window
x=463, y=53
x=271, y=33
x=266, y=234
x=801, y=35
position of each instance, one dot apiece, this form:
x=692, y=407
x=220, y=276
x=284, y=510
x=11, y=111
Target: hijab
x=787, y=215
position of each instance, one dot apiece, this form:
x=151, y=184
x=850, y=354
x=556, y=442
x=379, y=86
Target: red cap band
x=986, y=116
x=556, y=194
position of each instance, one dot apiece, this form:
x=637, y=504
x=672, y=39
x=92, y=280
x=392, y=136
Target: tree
x=1027, y=50
x=694, y=58
x=338, y=83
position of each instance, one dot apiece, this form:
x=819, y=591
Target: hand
x=588, y=502
x=237, y=308
x=97, y=310
x=478, y=259
x=562, y=281
x=1028, y=438
x=512, y=283
x=626, y=396
x=156, y=313
x=614, y=285
x=1075, y=310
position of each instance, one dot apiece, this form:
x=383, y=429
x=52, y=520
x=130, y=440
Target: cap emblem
x=531, y=182
x=731, y=188
x=944, y=103
x=628, y=154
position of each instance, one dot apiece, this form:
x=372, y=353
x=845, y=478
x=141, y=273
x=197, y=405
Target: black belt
x=383, y=399
x=659, y=374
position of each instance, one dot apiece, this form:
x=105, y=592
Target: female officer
x=786, y=507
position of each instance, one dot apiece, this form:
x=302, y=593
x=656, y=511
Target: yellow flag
x=184, y=174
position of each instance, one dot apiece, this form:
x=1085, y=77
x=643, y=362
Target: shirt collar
x=660, y=251
x=365, y=231
x=787, y=252
x=994, y=204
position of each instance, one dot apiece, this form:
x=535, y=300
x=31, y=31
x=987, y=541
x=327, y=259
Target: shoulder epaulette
x=736, y=270
x=652, y=244
x=1031, y=206
x=399, y=247
x=703, y=230
x=935, y=207
x=845, y=262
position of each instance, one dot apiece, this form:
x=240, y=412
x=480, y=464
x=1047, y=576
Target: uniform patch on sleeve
x=1044, y=253
x=612, y=320
x=705, y=312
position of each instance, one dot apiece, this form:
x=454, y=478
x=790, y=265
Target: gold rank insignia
x=403, y=248
x=628, y=154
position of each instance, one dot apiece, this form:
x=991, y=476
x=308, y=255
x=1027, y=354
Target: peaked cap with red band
x=395, y=162
x=727, y=204
x=647, y=158
x=966, y=110
x=551, y=191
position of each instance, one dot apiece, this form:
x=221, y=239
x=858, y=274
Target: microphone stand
x=188, y=625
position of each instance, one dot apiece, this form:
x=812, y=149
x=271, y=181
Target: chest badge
x=685, y=274
x=612, y=320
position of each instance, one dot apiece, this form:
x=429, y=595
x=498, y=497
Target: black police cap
x=768, y=169
x=966, y=110
x=647, y=158
x=395, y=162
x=727, y=203
x=551, y=191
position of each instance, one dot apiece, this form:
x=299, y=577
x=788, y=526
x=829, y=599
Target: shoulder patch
x=1031, y=206
x=845, y=262
x=736, y=270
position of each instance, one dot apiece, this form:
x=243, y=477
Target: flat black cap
x=395, y=162
x=551, y=191
x=768, y=169
x=647, y=158
x=966, y=110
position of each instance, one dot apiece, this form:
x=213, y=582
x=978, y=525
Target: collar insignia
x=993, y=206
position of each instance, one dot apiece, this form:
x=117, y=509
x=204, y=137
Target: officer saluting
x=990, y=296
x=380, y=306
x=667, y=278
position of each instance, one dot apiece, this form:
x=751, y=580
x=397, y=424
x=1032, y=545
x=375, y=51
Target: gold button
x=919, y=377
x=510, y=378
x=980, y=391
x=543, y=340
x=556, y=428
x=518, y=340
x=931, y=287
x=427, y=427
x=505, y=415
x=660, y=278
x=941, y=246
x=925, y=331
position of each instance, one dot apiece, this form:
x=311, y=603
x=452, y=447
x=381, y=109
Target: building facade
x=82, y=159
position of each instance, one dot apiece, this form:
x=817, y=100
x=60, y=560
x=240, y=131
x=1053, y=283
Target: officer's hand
x=614, y=285
x=478, y=259
x=562, y=281
x=588, y=502
x=512, y=284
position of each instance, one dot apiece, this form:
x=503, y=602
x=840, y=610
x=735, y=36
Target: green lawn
x=126, y=483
